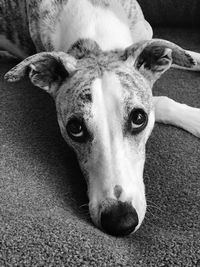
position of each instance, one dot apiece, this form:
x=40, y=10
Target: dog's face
x=105, y=113
x=106, y=116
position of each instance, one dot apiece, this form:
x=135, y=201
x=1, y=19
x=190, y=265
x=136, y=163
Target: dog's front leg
x=171, y=112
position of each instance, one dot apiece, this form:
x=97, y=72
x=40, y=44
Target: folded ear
x=152, y=58
x=46, y=70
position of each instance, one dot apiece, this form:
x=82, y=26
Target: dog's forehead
x=77, y=92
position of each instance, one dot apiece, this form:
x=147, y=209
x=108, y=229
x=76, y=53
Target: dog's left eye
x=138, y=120
x=76, y=130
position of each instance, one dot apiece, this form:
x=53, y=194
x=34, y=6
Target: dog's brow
x=127, y=80
x=135, y=84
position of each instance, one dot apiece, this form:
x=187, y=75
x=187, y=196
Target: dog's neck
x=80, y=19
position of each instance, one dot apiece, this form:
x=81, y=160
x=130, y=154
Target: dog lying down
x=98, y=61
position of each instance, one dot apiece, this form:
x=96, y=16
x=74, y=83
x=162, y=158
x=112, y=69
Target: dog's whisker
x=148, y=200
x=85, y=214
x=153, y=205
x=84, y=205
x=152, y=214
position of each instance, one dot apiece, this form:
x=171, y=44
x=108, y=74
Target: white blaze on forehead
x=106, y=123
x=107, y=112
x=112, y=157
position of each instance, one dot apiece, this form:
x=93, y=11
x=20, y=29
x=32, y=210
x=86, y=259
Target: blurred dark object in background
x=171, y=12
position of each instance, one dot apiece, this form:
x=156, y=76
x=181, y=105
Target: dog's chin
x=95, y=215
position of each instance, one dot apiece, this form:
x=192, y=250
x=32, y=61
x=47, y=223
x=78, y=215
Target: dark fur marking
x=84, y=48
x=152, y=54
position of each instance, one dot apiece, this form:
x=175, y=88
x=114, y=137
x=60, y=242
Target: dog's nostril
x=119, y=219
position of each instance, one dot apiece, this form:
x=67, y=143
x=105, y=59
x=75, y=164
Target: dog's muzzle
x=119, y=218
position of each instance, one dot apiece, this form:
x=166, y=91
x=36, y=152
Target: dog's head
x=106, y=114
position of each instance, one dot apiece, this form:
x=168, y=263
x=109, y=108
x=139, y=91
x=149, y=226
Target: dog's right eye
x=138, y=120
x=76, y=130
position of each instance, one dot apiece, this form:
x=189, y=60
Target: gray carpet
x=42, y=220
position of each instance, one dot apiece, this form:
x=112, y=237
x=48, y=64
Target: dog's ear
x=152, y=58
x=46, y=70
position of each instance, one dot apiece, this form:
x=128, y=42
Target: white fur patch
x=183, y=116
x=80, y=19
x=115, y=161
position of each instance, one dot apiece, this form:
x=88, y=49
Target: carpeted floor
x=42, y=220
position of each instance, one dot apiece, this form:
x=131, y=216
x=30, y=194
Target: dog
x=99, y=61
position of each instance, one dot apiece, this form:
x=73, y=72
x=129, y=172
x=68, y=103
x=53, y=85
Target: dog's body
x=101, y=83
x=43, y=23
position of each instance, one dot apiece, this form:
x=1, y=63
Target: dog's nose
x=119, y=219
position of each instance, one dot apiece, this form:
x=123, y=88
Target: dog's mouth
x=116, y=192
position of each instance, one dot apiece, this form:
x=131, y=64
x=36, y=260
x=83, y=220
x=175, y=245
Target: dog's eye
x=76, y=130
x=138, y=120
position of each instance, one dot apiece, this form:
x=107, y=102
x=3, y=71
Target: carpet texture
x=43, y=219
